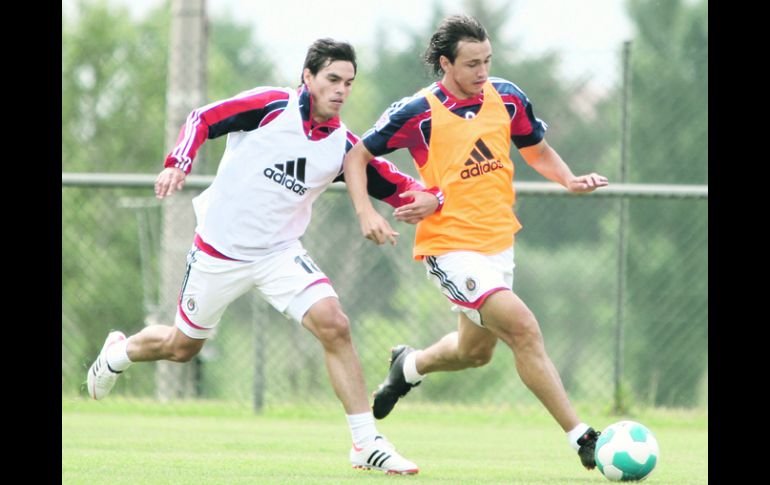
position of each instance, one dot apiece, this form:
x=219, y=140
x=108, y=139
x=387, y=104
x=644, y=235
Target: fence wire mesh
x=258, y=357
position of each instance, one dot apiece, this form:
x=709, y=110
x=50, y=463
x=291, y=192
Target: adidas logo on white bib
x=284, y=174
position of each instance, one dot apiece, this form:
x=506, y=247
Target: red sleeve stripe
x=389, y=172
x=271, y=115
x=185, y=144
x=190, y=134
x=384, y=167
x=196, y=127
x=193, y=121
x=352, y=138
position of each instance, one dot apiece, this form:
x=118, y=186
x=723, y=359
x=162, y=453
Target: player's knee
x=478, y=356
x=184, y=351
x=526, y=335
x=333, y=327
x=184, y=354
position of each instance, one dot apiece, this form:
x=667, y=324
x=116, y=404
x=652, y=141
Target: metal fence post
x=185, y=91
x=620, y=405
x=259, y=312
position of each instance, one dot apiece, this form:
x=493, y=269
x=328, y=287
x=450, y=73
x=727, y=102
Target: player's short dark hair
x=323, y=52
x=448, y=35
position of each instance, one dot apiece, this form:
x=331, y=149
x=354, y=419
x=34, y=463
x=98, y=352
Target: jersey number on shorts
x=307, y=263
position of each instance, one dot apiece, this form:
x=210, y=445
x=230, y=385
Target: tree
x=114, y=84
x=113, y=108
x=668, y=303
x=113, y=87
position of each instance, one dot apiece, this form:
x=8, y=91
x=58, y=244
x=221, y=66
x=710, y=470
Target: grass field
x=133, y=442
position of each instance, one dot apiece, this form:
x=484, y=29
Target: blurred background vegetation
x=114, y=70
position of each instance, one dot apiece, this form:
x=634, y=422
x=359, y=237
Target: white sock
x=575, y=434
x=362, y=428
x=117, y=357
x=410, y=368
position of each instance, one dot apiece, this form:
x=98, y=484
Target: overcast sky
x=587, y=33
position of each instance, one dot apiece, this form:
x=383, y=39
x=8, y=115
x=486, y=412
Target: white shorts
x=467, y=278
x=288, y=279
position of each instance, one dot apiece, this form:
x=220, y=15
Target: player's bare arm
x=169, y=181
x=423, y=205
x=373, y=226
x=550, y=165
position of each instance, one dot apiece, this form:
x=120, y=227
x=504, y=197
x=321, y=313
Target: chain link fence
x=257, y=357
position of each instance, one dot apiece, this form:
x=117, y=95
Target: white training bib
x=261, y=198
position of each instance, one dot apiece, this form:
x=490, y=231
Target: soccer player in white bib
x=284, y=148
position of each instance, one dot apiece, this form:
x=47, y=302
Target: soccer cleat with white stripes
x=381, y=455
x=101, y=378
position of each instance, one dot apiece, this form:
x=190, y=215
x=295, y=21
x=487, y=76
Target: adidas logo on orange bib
x=286, y=177
x=480, y=162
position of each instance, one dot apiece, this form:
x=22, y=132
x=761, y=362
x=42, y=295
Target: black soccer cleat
x=587, y=444
x=395, y=386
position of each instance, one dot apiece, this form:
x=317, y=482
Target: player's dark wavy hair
x=323, y=52
x=449, y=33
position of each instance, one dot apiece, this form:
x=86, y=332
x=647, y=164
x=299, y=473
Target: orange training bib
x=469, y=160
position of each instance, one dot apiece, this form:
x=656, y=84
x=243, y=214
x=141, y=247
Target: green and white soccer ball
x=626, y=451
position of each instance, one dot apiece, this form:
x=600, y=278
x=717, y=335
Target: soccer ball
x=626, y=451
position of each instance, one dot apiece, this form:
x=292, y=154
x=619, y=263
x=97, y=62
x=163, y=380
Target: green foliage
x=114, y=72
x=113, y=114
x=669, y=116
x=582, y=123
x=236, y=62
x=113, y=109
x=668, y=329
x=95, y=289
x=113, y=89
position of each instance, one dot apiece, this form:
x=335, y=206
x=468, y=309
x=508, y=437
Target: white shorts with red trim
x=467, y=278
x=288, y=279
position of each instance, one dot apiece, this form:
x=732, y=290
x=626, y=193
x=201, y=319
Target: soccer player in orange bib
x=459, y=132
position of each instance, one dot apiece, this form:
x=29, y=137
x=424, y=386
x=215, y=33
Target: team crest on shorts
x=190, y=305
x=470, y=283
